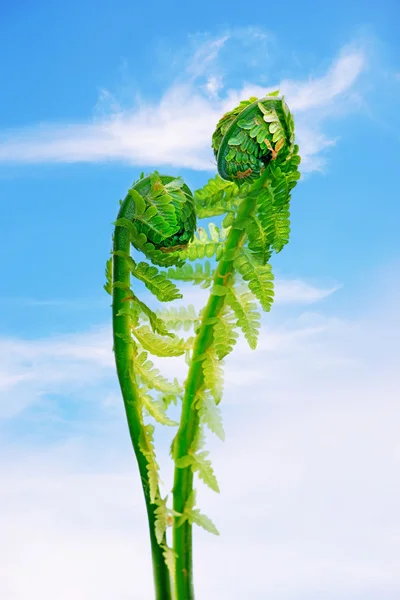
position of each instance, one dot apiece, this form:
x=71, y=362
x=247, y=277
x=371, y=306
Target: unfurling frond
x=258, y=276
x=213, y=374
x=206, y=245
x=133, y=307
x=155, y=408
x=209, y=412
x=248, y=317
x=152, y=377
x=179, y=318
x=225, y=335
x=193, y=515
x=158, y=345
x=215, y=198
x=156, y=282
x=146, y=445
x=200, y=464
x=108, y=271
x=200, y=274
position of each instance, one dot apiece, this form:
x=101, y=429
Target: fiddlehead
x=158, y=218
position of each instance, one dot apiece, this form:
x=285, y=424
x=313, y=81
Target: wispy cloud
x=176, y=130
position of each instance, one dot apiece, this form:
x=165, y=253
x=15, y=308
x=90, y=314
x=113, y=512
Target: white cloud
x=176, y=131
x=309, y=478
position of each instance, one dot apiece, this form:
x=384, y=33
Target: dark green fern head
x=164, y=212
x=253, y=135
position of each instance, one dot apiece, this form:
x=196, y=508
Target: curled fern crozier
x=252, y=135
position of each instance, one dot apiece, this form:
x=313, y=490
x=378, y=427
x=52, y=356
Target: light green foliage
x=200, y=464
x=157, y=282
x=135, y=307
x=248, y=317
x=201, y=273
x=155, y=408
x=146, y=445
x=158, y=345
x=258, y=276
x=225, y=335
x=206, y=244
x=209, y=412
x=257, y=171
x=212, y=373
x=183, y=317
x=108, y=271
x=152, y=378
x=193, y=515
x=217, y=197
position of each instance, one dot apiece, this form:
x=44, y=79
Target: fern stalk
x=124, y=359
x=183, y=481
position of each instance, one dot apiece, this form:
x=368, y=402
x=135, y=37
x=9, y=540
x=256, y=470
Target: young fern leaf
x=155, y=408
x=212, y=374
x=206, y=245
x=215, y=198
x=156, y=282
x=158, y=345
x=259, y=238
x=161, y=521
x=200, y=274
x=225, y=335
x=152, y=377
x=248, y=317
x=209, y=412
x=259, y=277
x=183, y=318
x=200, y=464
x=193, y=515
x=134, y=307
x=146, y=445
x=108, y=271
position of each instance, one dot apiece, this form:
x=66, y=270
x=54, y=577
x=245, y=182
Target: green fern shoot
x=158, y=242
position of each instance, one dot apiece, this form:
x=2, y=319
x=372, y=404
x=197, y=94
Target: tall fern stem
x=183, y=481
x=124, y=359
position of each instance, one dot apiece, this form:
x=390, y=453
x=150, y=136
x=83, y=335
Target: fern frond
x=206, y=245
x=146, y=445
x=161, y=520
x=169, y=559
x=108, y=272
x=193, y=515
x=200, y=464
x=158, y=345
x=179, y=318
x=209, y=413
x=224, y=332
x=152, y=377
x=248, y=317
x=135, y=307
x=156, y=282
x=155, y=408
x=215, y=198
x=213, y=374
x=200, y=274
x=259, y=277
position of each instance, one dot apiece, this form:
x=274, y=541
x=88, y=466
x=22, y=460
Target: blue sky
x=94, y=93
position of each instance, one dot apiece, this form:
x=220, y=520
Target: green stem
x=183, y=482
x=124, y=358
